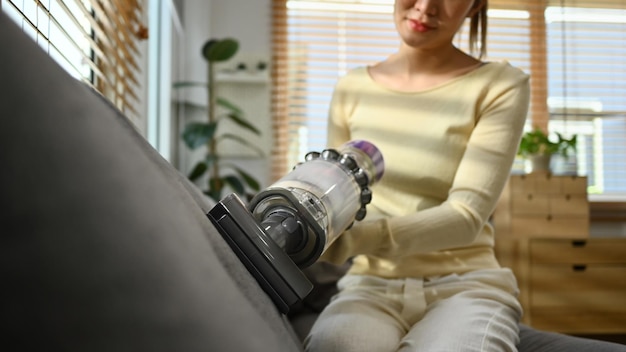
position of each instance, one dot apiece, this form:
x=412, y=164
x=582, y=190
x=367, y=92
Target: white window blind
x=94, y=41
x=587, y=87
x=574, y=50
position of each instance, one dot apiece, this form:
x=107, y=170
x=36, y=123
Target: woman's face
x=428, y=24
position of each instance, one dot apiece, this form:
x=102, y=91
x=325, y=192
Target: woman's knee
x=460, y=323
x=354, y=326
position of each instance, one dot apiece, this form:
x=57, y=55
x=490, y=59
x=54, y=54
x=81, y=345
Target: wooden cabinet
x=541, y=205
x=577, y=286
x=568, y=282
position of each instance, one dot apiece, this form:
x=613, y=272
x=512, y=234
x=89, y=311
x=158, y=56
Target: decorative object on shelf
x=261, y=66
x=537, y=147
x=198, y=134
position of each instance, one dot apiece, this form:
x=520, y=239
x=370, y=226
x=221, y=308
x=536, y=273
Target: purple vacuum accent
x=373, y=152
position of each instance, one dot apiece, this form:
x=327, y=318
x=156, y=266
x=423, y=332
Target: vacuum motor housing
x=288, y=226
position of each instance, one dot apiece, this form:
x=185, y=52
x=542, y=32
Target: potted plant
x=536, y=146
x=198, y=134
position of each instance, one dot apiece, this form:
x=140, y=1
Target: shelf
x=248, y=78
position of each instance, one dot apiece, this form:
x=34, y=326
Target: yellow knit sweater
x=448, y=151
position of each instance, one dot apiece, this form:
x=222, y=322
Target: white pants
x=476, y=311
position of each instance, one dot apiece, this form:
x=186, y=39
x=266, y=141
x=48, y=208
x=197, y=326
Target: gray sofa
x=106, y=247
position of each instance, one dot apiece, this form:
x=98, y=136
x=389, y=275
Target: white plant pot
x=540, y=163
x=564, y=165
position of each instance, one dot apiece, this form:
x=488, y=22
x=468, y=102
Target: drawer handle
x=579, y=267
x=579, y=243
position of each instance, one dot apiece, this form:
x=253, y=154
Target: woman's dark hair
x=478, y=30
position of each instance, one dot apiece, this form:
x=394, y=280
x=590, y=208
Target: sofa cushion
x=544, y=341
x=103, y=247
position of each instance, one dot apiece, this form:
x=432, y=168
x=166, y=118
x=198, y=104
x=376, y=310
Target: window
x=587, y=86
x=574, y=51
x=94, y=41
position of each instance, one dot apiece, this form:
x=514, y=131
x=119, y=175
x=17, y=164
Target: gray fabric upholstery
x=103, y=247
x=542, y=341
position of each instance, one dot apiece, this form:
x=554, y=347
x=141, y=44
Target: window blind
x=94, y=41
x=587, y=87
x=574, y=51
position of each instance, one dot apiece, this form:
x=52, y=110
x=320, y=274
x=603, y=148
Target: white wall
x=196, y=21
x=249, y=22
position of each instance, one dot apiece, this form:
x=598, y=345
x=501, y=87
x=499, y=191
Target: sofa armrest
x=103, y=246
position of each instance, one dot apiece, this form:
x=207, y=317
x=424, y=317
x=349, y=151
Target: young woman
x=424, y=276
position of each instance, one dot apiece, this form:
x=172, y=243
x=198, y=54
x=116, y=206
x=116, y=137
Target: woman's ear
x=478, y=5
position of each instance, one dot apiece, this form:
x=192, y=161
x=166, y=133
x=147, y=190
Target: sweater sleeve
x=477, y=185
x=338, y=131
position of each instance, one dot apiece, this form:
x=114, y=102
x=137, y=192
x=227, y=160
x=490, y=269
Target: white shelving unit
x=243, y=77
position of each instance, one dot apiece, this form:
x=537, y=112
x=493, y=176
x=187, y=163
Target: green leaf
x=190, y=84
x=220, y=50
x=242, y=141
x=537, y=142
x=234, y=183
x=228, y=105
x=202, y=167
x=197, y=134
x=199, y=170
x=250, y=181
x=244, y=123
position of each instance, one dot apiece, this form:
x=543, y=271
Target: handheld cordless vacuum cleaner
x=288, y=226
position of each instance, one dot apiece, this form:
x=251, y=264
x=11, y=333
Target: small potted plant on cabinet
x=537, y=147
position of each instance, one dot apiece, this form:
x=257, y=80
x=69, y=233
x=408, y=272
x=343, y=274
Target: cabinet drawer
x=574, y=185
x=547, y=184
x=530, y=204
x=577, y=279
x=535, y=184
x=578, y=299
x=569, y=205
x=544, y=205
x=550, y=226
x=572, y=251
